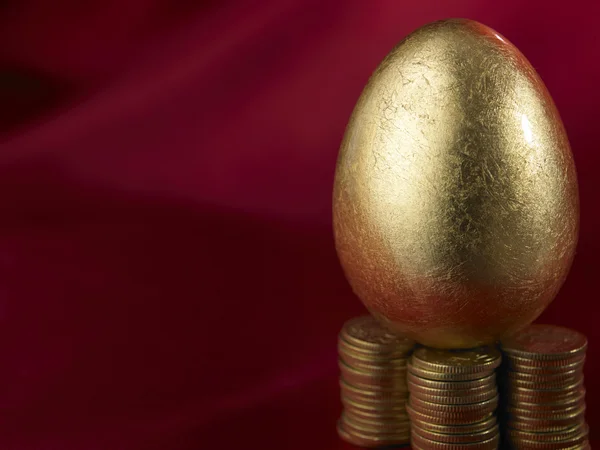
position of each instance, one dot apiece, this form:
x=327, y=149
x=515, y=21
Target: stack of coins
x=373, y=384
x=453, y=398
x=543, y=388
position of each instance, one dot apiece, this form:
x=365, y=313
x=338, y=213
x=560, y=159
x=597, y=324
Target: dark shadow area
x=26, y=96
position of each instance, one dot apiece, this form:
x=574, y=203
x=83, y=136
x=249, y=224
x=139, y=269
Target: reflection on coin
x=373, y=415
x=547, y=377
x=545, y=342
x=470, y=428
x=423, y=442
x=377, y=361
x=539, y=427
x=486, y=406
x=397, y=385
x=374, y=407
x=464, y=399
x=536, y=444
x=368, y=394
x=488, y=381
x=554, y=405
x=452, y=393
x=370, y=441
x=558, y=391
x=561, y=412
x=443, y=376
x=386, y=379
x=524, y=423
x=574, y=431
x=530, y=366
x=398, y=428
x=383, y=425
x=541, y=397
x=375, y=367
x=367, y=333
x=545, y=385
x=453, y=398
x=371, y=354
x=445, y=419
x=483, y=360
x=457, y=438
x=373, y=384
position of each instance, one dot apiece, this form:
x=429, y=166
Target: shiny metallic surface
x=443, y=376
x=489, y=381
x=419, y=441
x=516, y=435
x=450, y=414
x=454, y=409
x=442, y=419
x=547, y=343
x=446, y=399
x=533, y=367
x=544, y=409
x=356, y=438
x=457, y=439
x=473, y=428
x=455, y=203
x=373, y=386
x=364, y=334
x=475, y=361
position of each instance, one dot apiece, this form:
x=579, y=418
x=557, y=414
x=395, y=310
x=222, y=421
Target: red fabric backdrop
x=167, y=273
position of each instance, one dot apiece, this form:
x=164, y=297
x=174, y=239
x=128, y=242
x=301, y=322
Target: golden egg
x=455, y=204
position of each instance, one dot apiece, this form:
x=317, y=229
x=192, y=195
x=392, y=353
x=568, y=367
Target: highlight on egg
x=455, y=202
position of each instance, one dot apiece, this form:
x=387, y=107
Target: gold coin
x=563, y=403
x=446, y=419
x=471, y=428
x=383, y=395
x=558, y=391
x=543, y=384
x=456, y=399
x=378, y=429
x=398, y=385
x=374, y=415
x=482, y=391
x=534, y=367
x=482, y=360
x=546, y=377
x=441, y=376
x=540, y=428
x=524, y=423
x=374, y=406
x=376, y=424
x=370, y=354
x=423, y=442
x=373, y=358
x=535, y=444
x=520, y=395
x=457, y=438
x=451, y=410
x=387, y=379
x=367, y=333
x=389, y=366
x=413, y=379
x=574, y=431
x=362, y=440
x=546, y=342
x=555, y=414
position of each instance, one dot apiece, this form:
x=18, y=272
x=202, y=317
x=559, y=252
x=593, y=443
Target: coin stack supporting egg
x=543, y=387
x=373, y=384
x=453, y=398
